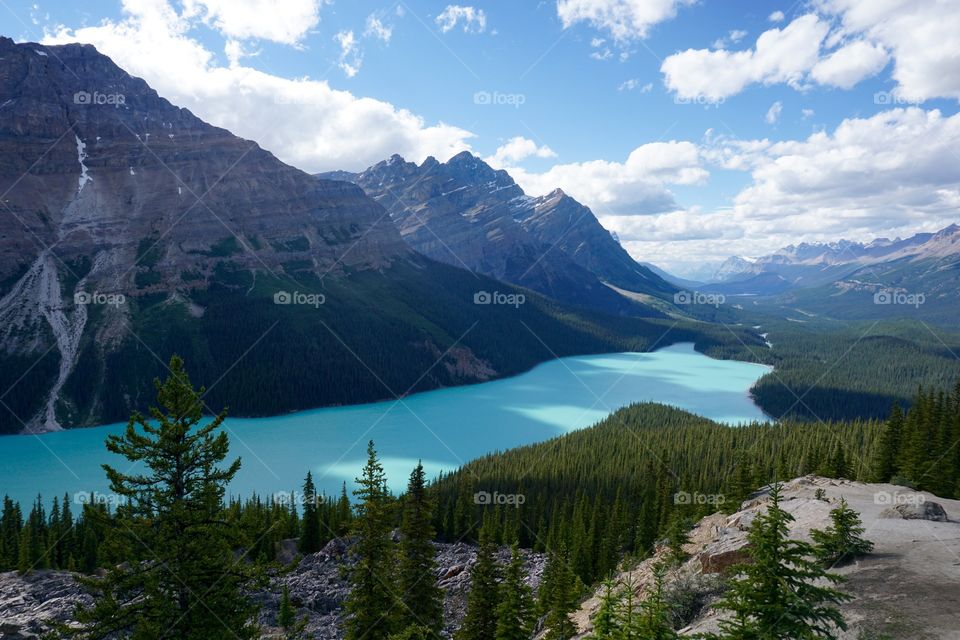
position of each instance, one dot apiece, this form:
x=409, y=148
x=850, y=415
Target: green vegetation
x=782, y=592
x=179, y=553
x=843, y=541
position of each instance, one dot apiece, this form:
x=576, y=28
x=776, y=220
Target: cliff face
x=111, y=193
x=465, y=213
x=93, y=161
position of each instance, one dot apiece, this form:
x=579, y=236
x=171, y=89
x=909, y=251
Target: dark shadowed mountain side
x=131, y=230
x=467, y=214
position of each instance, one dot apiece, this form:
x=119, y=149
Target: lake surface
x=444, y=428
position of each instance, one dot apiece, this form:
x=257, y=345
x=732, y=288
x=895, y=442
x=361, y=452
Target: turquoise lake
x=444, y=428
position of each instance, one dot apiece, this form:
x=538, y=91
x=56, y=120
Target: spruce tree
x=778, y=595
x=372, y=604
x=515, y=610
x=562, y=597
x=310, y=536
x=480, y=622
x=883, y=465
x=605, y=624
x=843, y=541
x=654, y=619
x=421, y=597
x=181, y=579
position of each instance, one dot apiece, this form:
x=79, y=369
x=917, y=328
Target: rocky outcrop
x=921, y=511
x=908, y=587
x=317, y=586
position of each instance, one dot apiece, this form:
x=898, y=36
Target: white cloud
x=517, y=149
x=377, y=29
x=350, y=55
x=777, y=16
x=284, y=21
x=634, y=83
x=304, y=122
x=888, y=175
x=638, y=186
x=779, y=56
x=839, y=44
x=474, y=20
x=737, y=35
x=624, y=20
x=921, y=36
x=850, y=64
x=773, y=113
x=807, y=113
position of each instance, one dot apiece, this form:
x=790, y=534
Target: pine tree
x=310, y=537
x=654, y=620
x=776, y=595
x=605, y=625
x=420, y=595
x=372, y=603
x=480, y=622
x=842, y=541
x=181, y=579
x=883, y=465
x=515, y=610
x=562, y=597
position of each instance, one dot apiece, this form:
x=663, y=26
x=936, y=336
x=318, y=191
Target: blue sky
x=752, y=124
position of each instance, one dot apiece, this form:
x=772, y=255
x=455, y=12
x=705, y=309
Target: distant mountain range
x=842, y=278
x=465, y=213
x=131, y=230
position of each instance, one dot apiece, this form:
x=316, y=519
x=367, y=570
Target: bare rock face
x=465, y=213
x=922, y=511
x=317, y=584
x=29, y=603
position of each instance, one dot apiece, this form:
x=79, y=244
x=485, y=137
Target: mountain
x=917, y=276
x=133, y=230
x=809, y=264
x=465, y=213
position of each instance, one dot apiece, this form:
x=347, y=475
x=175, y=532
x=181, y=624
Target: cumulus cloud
x=888, y=175
x=637, y=186
x=284, y=21
x=517, y=149
x=624, y=20
x=474, y=20
x=304, y=122
x=921, y=36
x=779, y=56
x=839, y=43
x=850, y=64
x=777, y=16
